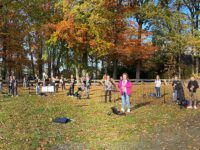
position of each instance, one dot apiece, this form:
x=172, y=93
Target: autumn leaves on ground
x=26, y=123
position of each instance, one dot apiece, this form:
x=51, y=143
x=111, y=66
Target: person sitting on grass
x=157, y=86
x=125, y=91
x=192, y=87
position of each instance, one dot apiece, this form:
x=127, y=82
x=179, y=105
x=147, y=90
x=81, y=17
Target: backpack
x=115, y=111
x=61, y=120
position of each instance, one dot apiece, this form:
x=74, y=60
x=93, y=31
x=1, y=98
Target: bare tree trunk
x=138, y=64
x=96, y=67
x=138, y=67
x=49, y=63
x=32, y=63
x=77, y=71
x=179, y=67
x=197, y=65
x=115, y=68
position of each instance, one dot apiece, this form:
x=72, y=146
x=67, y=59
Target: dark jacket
x=180, y=91
x=194, y=85
x=175, y=84
x=14, y=83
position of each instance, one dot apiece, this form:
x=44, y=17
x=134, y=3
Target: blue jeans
x=37, y=89
x=174, y=95
x=158, y=92
x=125, y=100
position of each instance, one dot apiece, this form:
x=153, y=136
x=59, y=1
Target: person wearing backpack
x=157, y=86
x=125, y=86
x=192, y=87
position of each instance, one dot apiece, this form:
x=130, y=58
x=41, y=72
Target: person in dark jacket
x=174, y=85
x=14, y=86
x=180, y=93
x=192, y=87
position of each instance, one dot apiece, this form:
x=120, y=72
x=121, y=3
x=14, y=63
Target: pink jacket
x=128, y=87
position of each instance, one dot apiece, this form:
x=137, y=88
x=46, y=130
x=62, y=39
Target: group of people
x=84, y=86
x=124, y=87
x=109, y=85
x=34, y=81
x=178, y=91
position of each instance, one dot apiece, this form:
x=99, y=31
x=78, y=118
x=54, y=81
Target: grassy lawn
x=26, y=123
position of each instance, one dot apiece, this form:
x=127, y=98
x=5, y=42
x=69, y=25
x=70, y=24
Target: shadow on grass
x=140, y=105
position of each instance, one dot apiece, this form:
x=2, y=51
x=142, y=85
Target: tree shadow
x=140, y=105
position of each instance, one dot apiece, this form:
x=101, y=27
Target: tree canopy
x=142, y=38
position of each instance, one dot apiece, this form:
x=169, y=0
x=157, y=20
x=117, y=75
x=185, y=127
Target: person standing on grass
x=71, y=88
x=87, y=84
x=37, y=86
x=10, y=78
x=157, y=86
x=125, y=91
x=108, y=88
x=175, y=86
x=24, y=83
x=14, y=87
x=192, y=87
x=62, y=82
x=1, y=84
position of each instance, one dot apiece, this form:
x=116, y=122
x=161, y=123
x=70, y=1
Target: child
x=157, y=86
x=125, y=91
x=192, y=87
x=108, y=88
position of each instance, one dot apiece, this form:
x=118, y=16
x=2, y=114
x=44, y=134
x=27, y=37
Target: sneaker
x=189, y=107
x=128, y=111
x=122, y=109
x=195, y=107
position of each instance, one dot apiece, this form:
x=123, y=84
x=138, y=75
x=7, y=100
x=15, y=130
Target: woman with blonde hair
x=125, y=86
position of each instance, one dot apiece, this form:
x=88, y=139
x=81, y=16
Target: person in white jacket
x=157, y=86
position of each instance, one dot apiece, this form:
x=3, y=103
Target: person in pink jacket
x=125, y=91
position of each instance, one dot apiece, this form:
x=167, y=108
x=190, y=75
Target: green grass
x=26, y=121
